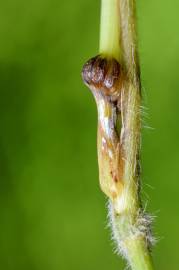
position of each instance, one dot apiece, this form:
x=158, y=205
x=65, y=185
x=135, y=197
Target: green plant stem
x=131, y=239
x=114, y=79
x=110, y=35
x=130, y=226
x=139, y=255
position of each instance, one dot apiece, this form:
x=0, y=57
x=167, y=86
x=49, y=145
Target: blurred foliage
x=52, y=212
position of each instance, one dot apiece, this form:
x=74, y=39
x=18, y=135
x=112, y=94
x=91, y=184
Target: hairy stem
x=114, y=80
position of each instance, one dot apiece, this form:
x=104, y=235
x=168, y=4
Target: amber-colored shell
x=103, y=74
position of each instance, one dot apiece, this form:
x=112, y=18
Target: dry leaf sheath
x=113, y=77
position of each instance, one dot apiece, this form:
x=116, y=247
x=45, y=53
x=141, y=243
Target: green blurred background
x=52, y=212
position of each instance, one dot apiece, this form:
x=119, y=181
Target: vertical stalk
x=110, y=29
x=114, y=80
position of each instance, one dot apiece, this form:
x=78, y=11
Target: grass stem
x=114, y=79
x=110, y=29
